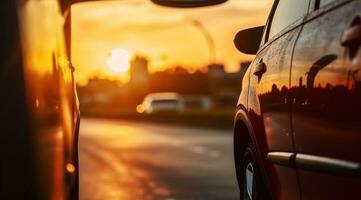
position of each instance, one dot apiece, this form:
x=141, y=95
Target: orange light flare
x=140, y=108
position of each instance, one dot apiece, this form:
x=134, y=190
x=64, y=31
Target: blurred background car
x=162, y=102
x=198, y=102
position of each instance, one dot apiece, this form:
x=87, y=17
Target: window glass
x=324, y=2
x=287, y=12
x=263, y=40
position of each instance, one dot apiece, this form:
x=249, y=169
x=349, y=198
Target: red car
x=298, y=121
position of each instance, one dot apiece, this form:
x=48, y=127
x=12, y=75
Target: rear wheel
x=252, y=186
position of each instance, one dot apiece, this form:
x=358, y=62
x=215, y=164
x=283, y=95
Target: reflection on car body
x=39, y=106
x=297, y=122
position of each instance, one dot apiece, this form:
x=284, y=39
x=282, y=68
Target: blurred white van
x=162, y=102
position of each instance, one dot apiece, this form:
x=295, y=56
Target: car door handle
x=352, y=35
x=260, y=69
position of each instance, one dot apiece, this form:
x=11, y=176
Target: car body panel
x=17, y=165
x=45, y=128
x=326, y=97
x=50, y=93
x=269, y=109
x=308, y=125
x=270, y=113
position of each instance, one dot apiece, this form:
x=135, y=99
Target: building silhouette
x=139, y=73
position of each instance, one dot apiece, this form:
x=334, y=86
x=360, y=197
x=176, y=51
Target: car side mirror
x=247, y=41
x=65, y=4
x=187, y=3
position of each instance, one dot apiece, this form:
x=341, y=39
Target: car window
x=325, y=2
x=263, y=40
x=165, y=101
x=287, y=12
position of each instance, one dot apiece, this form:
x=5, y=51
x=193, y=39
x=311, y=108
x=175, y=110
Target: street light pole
x=209, y=39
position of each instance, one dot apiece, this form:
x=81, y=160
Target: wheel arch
x=242, y=136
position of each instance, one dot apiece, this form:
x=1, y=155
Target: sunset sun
x=118, y=61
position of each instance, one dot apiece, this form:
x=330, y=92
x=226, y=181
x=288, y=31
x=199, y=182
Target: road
x=142, y=161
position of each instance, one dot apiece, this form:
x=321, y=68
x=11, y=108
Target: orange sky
x=165, y=35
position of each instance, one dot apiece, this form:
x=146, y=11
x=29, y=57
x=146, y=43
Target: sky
x=167, y=37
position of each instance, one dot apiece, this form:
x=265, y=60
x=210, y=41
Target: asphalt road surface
x=142, y=161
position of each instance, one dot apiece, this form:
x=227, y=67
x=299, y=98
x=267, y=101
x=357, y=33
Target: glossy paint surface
x=269, y=109
x=326, y=93
x=50, y=96
x=308, y=101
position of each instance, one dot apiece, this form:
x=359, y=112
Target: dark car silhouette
x=38, y=105
x=298, y=124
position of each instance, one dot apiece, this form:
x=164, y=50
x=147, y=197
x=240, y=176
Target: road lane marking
x=214, y=153
x=204, y=150
x=199, y=149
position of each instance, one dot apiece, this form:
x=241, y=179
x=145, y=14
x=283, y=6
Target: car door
x=49, y=95
x=326, y=96
x=269, y=103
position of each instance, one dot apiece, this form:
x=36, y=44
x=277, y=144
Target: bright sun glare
x=119, y=60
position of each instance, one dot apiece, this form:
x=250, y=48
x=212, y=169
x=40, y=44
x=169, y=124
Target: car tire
x=251, y=183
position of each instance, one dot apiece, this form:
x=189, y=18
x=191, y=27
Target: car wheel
x=252, y=186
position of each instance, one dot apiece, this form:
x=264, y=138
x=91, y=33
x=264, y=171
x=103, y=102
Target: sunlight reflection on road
x=140, y=161
x=119, y=181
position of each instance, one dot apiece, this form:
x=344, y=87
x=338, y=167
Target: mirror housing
x=247, y=41
x=187, y=3
x=169, y=3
